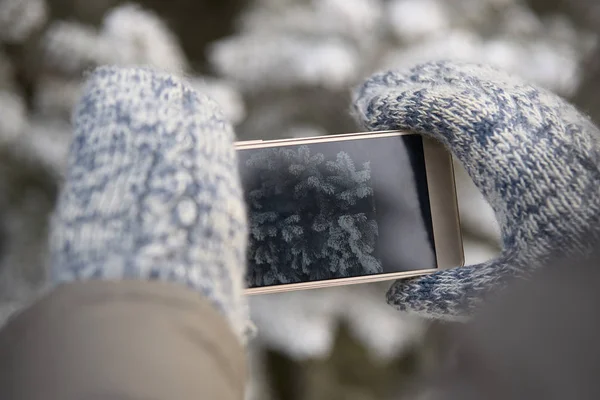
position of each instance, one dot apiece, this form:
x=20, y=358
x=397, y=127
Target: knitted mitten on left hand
x=152, y=191
x=533, y=156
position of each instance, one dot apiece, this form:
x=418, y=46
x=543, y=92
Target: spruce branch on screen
x=307, y=217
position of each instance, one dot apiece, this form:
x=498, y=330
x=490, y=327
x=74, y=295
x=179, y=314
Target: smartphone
x=347, y=209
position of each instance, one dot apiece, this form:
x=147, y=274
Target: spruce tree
x=310, y=218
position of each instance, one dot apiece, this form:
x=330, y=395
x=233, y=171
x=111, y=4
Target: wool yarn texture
x=533, y=155
x=152, y=191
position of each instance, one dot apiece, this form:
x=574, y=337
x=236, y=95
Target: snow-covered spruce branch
x=20, y=18
x=287, y=61
x=307, y=217
x=130, y=35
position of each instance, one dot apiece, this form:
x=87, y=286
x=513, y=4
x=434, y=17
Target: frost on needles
x=310, y=218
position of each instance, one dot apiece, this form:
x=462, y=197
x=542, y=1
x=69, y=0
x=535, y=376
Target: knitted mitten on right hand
x=534, y=157
x=152, y=191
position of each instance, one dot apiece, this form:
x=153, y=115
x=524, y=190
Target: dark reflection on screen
x=336, y=210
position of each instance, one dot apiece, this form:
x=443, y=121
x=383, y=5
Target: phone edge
x=443, y=203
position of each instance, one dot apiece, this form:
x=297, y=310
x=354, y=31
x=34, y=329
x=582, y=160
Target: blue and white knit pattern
x=533, y=156
x=152, y=190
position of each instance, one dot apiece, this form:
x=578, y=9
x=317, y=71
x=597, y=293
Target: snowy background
x=279, y=68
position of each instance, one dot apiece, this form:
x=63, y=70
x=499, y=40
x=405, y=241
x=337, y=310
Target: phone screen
x=336, y=209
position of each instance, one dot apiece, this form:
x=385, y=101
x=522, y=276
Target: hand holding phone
x=533, y=156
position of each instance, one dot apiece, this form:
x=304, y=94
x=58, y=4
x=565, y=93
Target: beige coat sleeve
x=125, y=340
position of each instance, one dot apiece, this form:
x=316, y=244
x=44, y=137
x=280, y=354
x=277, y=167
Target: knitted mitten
x=533, y=156
x=152, y=191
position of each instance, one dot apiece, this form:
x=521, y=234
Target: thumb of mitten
x=533, y=156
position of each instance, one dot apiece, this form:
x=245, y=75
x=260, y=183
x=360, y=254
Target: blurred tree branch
x=584, y=14
x=195, y=22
